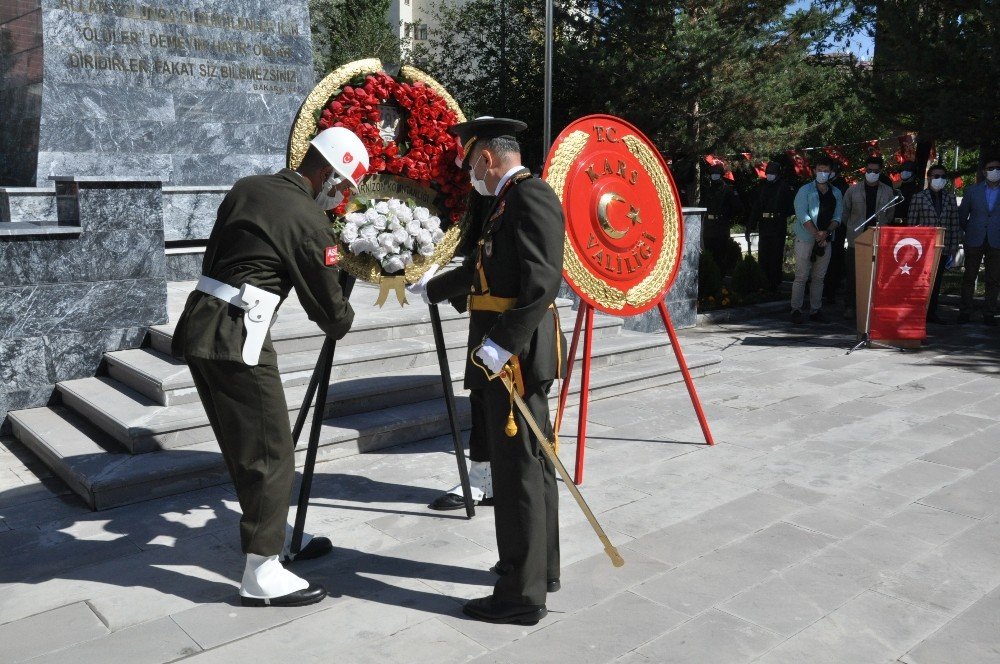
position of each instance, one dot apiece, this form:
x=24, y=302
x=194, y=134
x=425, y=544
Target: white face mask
x=478, y=184
x=323, y=199
x=822, y=177
x=716, y=177
x=993, y=175
x=871, y=178
x=771, y=177
x=906, y=175
x=937, y=184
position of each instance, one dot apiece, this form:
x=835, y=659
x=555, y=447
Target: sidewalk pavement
x=848, y=514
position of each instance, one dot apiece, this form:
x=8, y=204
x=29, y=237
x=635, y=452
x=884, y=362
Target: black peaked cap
x=483, y=128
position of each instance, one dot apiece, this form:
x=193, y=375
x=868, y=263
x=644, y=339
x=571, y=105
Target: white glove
x=493, y=356
x=420, y=288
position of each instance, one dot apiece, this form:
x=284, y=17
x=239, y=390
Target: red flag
x=903, y=278
x=761, y=169
x=802, y=168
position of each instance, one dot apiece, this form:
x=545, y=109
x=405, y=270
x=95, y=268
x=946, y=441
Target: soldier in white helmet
x=271, y=234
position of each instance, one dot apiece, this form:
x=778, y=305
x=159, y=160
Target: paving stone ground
x=848, y=514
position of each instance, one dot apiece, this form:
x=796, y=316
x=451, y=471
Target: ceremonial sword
x=505, y=377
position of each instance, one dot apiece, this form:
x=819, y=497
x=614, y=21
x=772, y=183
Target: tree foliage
x=347, y=30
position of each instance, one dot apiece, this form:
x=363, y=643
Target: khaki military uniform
x=269, y=233
x=514, y=282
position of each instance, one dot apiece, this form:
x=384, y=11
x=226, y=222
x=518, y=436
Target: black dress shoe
x=317, y=546
x=490, y=609
x=552, y=585
x=314, y=593
x=453, y=501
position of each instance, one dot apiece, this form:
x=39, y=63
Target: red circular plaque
x=624, y=231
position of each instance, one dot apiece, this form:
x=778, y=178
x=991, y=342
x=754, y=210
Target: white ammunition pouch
x=259, y=306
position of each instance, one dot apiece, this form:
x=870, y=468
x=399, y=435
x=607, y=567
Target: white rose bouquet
x=392, y=231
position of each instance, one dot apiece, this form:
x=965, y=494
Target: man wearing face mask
x=723, y=207
x=835, y=272
x=271, y=234
x=860, y=202
x=818, y=208
x=936, y=206
x=907, y=186
x=512, y=285
x=772, y=206
x=979, y=216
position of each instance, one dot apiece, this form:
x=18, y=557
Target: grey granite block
x=27, y=204
x=61, y=163
x=184, y=267
x=23, y=363
x=224, y=169
x=78, y=355
x=106, y=206
x=149, y=643
x=80, y=307
x=234, y=107
x=189, y=213
x=137, y=105
x=714, y=636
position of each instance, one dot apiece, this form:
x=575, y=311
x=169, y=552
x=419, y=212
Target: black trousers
x=932, y=304
x=246, y=408
x=771, y=257
x=974, y=256
x=526, y=497
x=479, y=446
x=835, y=272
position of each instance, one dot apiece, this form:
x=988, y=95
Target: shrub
x=748, y=277
x=709, y=276
x=730, y=257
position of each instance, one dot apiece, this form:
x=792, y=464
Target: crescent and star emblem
x=907, y=242
x=602, y=215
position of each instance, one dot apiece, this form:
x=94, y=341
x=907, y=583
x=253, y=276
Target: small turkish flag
x=331, y=255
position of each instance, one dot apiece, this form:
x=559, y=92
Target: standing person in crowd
x=860, y=203
x=818, y=209
x=772, y=206
x=979, y=217
x=723, y=207
x=835, y=272
x=512, y=285
x=908, y=186
x=936, y=206
x=271, y=235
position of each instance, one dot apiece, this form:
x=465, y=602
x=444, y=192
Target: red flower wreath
x=427, y=155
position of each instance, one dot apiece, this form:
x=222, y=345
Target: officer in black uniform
x=512, y=286
x=723, y=207
x=270, y=235
x=773, y=204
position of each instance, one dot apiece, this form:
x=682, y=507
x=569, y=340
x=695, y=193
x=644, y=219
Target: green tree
x=348, y=30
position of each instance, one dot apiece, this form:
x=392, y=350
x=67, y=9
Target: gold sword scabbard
x=546, y=444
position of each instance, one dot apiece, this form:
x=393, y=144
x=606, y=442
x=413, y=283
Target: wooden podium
x=867, y=254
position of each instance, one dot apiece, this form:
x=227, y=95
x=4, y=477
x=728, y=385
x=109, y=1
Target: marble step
x=167, y=381
x=141, y=424
x=93, y=465
x=294, y=332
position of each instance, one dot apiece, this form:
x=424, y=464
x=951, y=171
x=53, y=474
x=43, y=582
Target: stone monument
x=195, y=92
x=124, y=124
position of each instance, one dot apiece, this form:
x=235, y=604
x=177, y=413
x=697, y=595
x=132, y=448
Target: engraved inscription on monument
x=194, y=91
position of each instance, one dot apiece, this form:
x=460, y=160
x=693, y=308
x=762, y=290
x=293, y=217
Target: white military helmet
x=343, y=150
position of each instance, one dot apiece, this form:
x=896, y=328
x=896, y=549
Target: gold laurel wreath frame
x=650, y=288
x=367, y=268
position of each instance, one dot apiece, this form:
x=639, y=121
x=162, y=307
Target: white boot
x=480, y=481
x=286, y=551
x=265, y=578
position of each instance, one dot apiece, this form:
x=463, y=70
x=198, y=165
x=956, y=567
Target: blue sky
x=860, y=44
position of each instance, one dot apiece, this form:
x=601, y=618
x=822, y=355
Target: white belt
x=258, y=304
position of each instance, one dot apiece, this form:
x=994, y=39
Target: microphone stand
x=866, y=340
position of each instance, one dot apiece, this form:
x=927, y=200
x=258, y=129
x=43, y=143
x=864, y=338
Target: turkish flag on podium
x=906, y=261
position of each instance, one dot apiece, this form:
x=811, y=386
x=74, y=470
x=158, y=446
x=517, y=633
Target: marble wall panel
x=224, y=168
x=184, y=267
x=190, y=215
x=106, y=207
x=79, y=355
x=33, y=205
x=28, y=311
x=23, y=363
x=136, y=104
x=235, y=107
x=75, y=163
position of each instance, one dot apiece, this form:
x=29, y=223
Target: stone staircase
x=139, y=431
